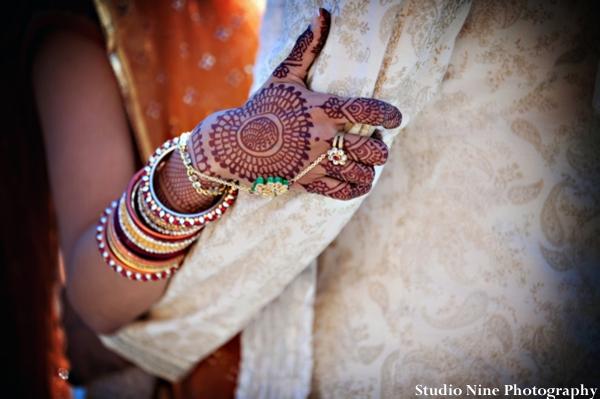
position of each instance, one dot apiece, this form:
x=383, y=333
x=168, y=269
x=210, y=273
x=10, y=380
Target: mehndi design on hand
x=363, y=110
x=337, y=190
x=351, y=172
x=175, y=190
x=295, y=57
x=367, y=150
x=284, y=127
x=269, y=136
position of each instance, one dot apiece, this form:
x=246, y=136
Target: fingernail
x=315, y=20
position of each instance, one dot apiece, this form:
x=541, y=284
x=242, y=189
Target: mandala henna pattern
x=295, y=57
x=269, y=136
x=363, y=110
x=353, y=172
x=343, y=191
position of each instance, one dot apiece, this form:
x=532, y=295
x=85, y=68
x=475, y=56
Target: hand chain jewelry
x=266, y=188
x=187, y=161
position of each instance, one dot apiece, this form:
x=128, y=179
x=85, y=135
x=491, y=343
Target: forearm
x=104, y=299
x=234, y=146
x=90, y=161
x=128, y=299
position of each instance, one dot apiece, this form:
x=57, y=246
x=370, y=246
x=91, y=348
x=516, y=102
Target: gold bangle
x=141, y=240
x=266, y=188
x=134, y=261
x=157, y=223
x=115, y=263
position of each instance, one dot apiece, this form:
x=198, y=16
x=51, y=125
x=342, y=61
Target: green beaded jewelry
x=273, y=187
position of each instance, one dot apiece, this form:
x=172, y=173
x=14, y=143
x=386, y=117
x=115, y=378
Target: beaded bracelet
x=171, y=233
x=171, y=217
x=134, y=195
x=136, y=249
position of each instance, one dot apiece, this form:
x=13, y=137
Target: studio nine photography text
x=507, y=390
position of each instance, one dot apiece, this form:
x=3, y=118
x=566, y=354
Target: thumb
x=309, y=44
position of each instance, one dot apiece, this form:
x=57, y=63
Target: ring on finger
x=336, y=154
x=338, y=140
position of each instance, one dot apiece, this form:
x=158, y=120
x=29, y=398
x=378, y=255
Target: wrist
x=175, y=190
x=203, y=160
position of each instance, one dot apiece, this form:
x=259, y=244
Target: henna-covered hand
x=284, y=127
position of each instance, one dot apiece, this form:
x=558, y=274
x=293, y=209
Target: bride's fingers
x=308, y=45
x=365, y=150
x=351, y=172
x=362, y=110
x=336, y=189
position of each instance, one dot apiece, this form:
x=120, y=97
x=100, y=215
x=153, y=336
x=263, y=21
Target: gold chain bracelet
x=187, y=162
x=266, y=188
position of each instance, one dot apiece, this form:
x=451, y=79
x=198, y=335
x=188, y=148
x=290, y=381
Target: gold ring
x=336, y=155
x=339, y=140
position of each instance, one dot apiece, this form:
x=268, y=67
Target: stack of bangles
x=140, y=238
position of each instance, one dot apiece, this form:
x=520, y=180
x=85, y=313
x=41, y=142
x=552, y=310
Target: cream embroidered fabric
x=474, y=260
x=277, y=348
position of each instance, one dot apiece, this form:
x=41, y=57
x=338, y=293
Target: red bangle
x=142, y=226
x=115, y=264
x=133, y=260
x=135, y=249
x=131, y=246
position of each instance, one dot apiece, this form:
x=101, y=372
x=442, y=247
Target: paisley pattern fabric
x=475, y=258
x=243, y=262
x=277, y=350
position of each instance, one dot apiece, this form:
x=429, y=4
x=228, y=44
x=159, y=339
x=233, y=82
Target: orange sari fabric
x=179, y=61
